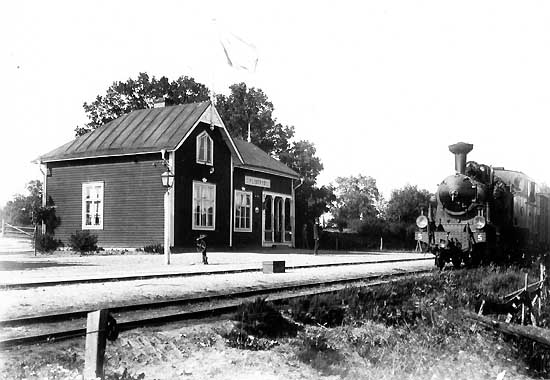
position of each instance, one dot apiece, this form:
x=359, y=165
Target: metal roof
x=254, y=158
x=154, y=129
x=142, y=131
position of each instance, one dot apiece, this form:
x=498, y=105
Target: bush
x=260, y=318
x=318, y=347
x=154, y=248
x=324, y=309
x=83, y=241
x=46, y=242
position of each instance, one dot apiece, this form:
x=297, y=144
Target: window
x=243, y=211
x=205, y=149
x=92, y=206
x=204, y=206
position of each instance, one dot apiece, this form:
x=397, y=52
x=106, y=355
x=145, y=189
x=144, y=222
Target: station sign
x=255, y=181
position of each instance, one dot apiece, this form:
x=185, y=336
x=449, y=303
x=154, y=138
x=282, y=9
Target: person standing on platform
x=316, y=237
x=305, y=243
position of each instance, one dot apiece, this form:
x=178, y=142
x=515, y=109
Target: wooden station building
x=109, y=182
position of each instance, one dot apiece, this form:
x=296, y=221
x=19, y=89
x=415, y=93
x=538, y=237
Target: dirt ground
x=198, y=350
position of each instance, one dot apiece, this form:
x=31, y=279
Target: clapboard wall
x=133, y=198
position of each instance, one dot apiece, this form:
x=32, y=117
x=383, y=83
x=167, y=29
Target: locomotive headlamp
x=422, y=221
x=479, y=222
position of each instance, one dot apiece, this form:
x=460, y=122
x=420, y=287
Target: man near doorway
x=316, y=237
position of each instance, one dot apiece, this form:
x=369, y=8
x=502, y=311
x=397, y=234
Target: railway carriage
x=483, y=214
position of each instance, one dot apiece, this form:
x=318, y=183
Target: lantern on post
x=167, y=179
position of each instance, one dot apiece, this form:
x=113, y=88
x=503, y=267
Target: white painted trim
x=200, y=228
x=102, y=156
x=231, y=203
x=199, y=120
x=273, y=196
x=210, y=160
x=249, y=193
x=172, y=167
x=293, y=216
x=267, y=171
x=101, y=205
x=222, y=126
x=44, y=169
x=229, y=136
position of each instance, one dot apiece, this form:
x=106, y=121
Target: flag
x=239, y=53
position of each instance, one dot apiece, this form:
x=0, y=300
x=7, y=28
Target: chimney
x=460, y=151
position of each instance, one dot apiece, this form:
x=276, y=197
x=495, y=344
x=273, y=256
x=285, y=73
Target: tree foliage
x=241, y=106
x=22, y=210
x=140, y=93
x=250, y=105
x=301, y=157
x=404, y=204
x=311, y=201
x=357, y=197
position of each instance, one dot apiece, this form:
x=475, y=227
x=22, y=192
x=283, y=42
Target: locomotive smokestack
x=460, y=151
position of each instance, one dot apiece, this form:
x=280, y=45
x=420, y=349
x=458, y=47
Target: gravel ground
x=43, y=300
x=25, y=267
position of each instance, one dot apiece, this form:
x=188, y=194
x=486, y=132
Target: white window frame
x=197, y=185
x=238, y=194
x=204, y=137
x=100, y=207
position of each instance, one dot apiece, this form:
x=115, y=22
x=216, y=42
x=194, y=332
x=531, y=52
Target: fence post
x=96, y=341
x=34, y=239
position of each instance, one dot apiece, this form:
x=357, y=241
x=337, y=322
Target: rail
x=17, y=229
x=196, y=307
x=19, y=232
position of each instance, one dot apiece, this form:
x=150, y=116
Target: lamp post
x=167, y=181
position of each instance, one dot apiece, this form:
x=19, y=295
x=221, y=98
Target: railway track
x=54, y=327
x=36, y=284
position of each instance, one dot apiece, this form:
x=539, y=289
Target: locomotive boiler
x=482, y=214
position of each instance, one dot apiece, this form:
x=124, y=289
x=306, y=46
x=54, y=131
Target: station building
x=109, y=181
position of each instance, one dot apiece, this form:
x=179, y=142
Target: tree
x=22, y=210
x=140, y=93
x=312, y=201
x=404, y=204
x=356, y=198
x=250, y=105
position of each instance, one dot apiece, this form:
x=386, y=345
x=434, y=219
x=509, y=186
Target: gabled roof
x=256, y=159
x=154, y=129
x=142, y=131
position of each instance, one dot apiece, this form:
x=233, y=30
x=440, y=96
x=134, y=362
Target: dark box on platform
x=274, y=266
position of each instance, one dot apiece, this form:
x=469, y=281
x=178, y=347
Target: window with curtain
x=92, y=205
x=205, y=149
x=204, y=206
x=243, y=211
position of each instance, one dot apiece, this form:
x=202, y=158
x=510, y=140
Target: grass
x=374, y=323
x=407, y=329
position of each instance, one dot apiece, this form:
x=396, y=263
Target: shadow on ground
x=24, y=265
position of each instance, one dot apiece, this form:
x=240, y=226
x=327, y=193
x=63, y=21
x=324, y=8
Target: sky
x=382, y=88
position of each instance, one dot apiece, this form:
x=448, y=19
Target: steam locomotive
x=483, y=214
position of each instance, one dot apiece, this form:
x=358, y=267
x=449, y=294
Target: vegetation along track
x=47, y=328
